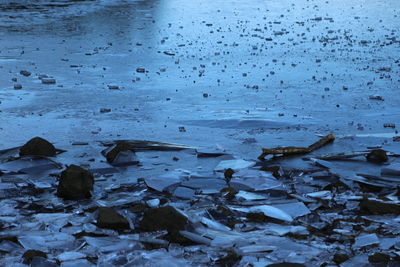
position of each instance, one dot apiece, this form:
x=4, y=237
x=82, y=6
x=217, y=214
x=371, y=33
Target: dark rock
x=165, y=218
x=110, y=219
x=228, y=173
x=138, y=207
x=38, y=147
x=379, y=207
x=105, y=110
x=17, y=86
x=113, y=87
x=378, y=257
x=230, y=259
x=229, y=192
x=30, y=254
x=339, y=258
x=377, y=156
x=48, y=81
x=75, y=183
x=25, y=73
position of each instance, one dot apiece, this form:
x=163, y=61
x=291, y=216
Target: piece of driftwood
x=291, y=150
x=322, y=142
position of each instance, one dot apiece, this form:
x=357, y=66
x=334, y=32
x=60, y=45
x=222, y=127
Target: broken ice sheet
x=365, y=240
x=321, y=194
x=70, y=255
x=281, y=230
x=9, y=246
x=244, y=195
x=78, y=262
x=205, y=183
x=162, y=258
x=391, y=170
x=53, y=220
x=294, y=209
x=214, y=225
x=46, y=240
x=255, y=183
x=30, y=165
x=153, y=203
x=246, y=250
x=234, y=164
x=268, y=211
x=109, y=244
x=195, y=238
x=170, y=179
x=121, y=198
x=184, y=193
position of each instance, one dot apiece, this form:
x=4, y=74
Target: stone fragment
x=339, y=258
x=376, y=206
x=38, y=147
x=25, y=73
x=48, y=81
x=164, y=218
x=378, y=257
x=377, y=156
x=75, y=183
x=110, y=219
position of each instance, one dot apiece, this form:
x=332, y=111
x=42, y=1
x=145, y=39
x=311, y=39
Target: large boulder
x=38, y=147
x=75, y=183
x=110, y=219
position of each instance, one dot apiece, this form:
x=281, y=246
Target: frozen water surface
x=228, y=69
x=225, y=78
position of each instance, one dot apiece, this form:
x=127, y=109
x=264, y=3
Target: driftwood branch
x=290, y=150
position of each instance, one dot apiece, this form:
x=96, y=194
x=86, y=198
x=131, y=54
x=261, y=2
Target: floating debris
x=297, y=150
